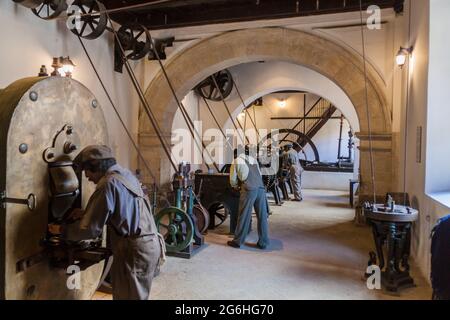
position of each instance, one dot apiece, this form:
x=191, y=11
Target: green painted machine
x=178, y=224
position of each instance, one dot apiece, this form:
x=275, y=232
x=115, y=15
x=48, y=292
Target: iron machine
x=44, y=123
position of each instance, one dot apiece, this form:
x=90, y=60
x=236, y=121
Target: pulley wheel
x=135, y=38
x=48, y=9
x=208, y=88
x=220, y=213
x=92, y=19
x=32, y=4
x=177, y=228
x=202, y=216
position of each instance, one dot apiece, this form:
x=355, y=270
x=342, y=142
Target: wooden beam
x=183, y=13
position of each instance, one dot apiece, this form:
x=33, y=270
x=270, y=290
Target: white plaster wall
x=428, y=84
x=327, y=180
x=438, y=145
x=183, y=146
x=28, y=42
x=255, y=80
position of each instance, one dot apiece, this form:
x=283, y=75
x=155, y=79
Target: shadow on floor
x=337, y=205
x=275, y=245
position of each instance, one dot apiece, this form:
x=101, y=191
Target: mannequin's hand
x=76, y=214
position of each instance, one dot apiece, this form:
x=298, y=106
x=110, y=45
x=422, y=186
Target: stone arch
x=346, y=69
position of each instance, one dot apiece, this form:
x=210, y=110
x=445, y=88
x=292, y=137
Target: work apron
x=135, y=258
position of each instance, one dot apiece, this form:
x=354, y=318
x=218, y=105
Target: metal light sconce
x=67, y=67
x=56, y=65
x=402, y=54
x=63, y=66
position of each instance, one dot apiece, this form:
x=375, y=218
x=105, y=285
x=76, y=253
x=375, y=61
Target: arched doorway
x=345, y=69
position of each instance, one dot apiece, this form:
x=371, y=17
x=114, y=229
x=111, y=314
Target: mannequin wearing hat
x=246, y=175
x=119, y=203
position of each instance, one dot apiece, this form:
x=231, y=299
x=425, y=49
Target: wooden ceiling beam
x=182, y=13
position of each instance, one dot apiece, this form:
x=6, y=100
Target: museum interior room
x=224, y=150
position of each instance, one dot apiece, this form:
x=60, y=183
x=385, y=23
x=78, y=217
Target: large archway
x=329, y=59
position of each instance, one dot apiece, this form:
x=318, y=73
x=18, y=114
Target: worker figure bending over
x=119, y=203
x=246, y=175
x=295, y=171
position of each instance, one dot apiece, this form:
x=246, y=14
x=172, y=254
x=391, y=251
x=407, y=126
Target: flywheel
x=177, y=228
x=202, y=217
x=220, y=212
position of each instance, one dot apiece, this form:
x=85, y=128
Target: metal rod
x=303, y=118
x=340, y=138
x=304, y=113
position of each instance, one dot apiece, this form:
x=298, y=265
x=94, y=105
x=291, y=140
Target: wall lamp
x=282, y=103
x=63, y=66
x=402, y=54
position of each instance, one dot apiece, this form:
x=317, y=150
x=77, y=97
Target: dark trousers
x=247, y=201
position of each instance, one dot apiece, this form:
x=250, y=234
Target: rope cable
x=369, y=128
x=406, y=112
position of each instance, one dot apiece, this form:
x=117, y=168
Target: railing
x=314, y=119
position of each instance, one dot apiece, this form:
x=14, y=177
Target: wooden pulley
x=48, y=9
x=202, y=218
x=92, y=19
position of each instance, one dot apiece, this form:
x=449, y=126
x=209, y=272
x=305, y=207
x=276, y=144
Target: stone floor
x=316, y=252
